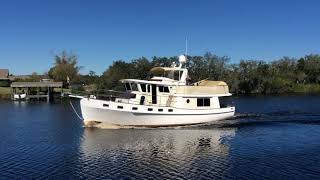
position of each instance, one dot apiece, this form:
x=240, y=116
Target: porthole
x=188, y=100
x=170, y=110
x=105, y=105
x=134, y=108
x=150, y=109
x=120, y=107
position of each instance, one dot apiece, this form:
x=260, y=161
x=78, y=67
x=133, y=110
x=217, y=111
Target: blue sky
x=101, y=31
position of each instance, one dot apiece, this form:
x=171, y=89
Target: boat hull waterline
x=94, y=111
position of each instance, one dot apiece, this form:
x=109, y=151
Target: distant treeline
x=284, y=75
x=248, y=76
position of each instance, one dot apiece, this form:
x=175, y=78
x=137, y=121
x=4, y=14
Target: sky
x=102, y=31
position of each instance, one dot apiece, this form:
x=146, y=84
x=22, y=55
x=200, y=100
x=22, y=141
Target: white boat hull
x=19, y=96
x=95, y=111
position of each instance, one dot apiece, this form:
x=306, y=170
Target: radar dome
x=182, y=59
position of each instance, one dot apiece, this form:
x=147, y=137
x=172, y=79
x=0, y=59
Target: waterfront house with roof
x=4, y=78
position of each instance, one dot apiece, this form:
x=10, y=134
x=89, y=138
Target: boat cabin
x=169, y=88
x=202, y=95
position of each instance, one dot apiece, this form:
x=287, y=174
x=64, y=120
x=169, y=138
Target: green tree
x=312, y=68
x=65, y=68
x=141, y=68
x=117, y=71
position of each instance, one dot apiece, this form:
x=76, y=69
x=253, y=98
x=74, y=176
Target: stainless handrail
x=162, y=100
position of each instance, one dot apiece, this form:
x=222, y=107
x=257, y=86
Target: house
x=4, y=74
x=4, y=78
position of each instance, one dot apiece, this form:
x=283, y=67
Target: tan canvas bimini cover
x=205, y=87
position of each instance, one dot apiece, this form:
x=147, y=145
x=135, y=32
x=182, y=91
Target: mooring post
x=48, y=94
x=27, y=94
x=12, y=93
x=61, y=92
x=38, y=93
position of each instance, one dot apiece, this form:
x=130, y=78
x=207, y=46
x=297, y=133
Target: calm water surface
x=272, y=137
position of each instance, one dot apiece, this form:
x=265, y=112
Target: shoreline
x=5, y=92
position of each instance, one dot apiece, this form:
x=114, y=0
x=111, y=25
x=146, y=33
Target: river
x=271, y=137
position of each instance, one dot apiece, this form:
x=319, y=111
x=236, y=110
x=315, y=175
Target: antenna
x=186, y=50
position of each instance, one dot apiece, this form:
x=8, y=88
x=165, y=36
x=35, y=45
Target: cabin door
x=154, y=93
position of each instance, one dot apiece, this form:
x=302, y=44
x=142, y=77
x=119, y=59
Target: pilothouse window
x=143, y=87
x=177, y=75
x=128, y=87
x=148, y=87
x=134, y=87
x=174, y=74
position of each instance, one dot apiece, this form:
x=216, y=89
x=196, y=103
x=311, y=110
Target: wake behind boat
x=164, y=100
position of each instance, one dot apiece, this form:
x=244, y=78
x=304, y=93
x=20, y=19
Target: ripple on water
x=40, y=140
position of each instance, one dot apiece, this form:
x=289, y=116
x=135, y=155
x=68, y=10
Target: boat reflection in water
x=165, y=153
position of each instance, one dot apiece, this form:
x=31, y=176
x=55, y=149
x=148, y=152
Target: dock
x=36, y=90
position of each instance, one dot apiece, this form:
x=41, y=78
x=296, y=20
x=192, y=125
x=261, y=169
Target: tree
x=35, y=77
x=65, y=67
x=141, y=68
x=312, y=68
x=118, y=70
x=249, y=76
x=92, y=73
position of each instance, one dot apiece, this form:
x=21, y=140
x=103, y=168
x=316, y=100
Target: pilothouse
x=167, y=99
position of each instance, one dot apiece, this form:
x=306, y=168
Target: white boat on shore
x=19, y=96
x=166, y=100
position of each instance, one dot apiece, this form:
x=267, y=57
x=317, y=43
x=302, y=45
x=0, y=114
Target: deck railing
x=130, y=98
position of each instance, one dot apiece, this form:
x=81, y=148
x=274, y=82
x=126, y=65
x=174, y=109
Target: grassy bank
x=290, y=88
x=306, y=88
x=4, y=92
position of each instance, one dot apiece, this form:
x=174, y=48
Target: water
x=271, y=137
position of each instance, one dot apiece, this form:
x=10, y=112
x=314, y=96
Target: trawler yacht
x=164, y=100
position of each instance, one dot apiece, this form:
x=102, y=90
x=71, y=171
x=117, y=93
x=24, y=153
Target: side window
x=201, y=102
x=177, y=75
x=160, y=88
x=163, y=89
x=206, y=101
x=128, y=87
x=143, y=87
x=134, y=87
x=148, y=88
x=166, y=89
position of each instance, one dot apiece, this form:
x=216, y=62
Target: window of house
x=203, y=102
